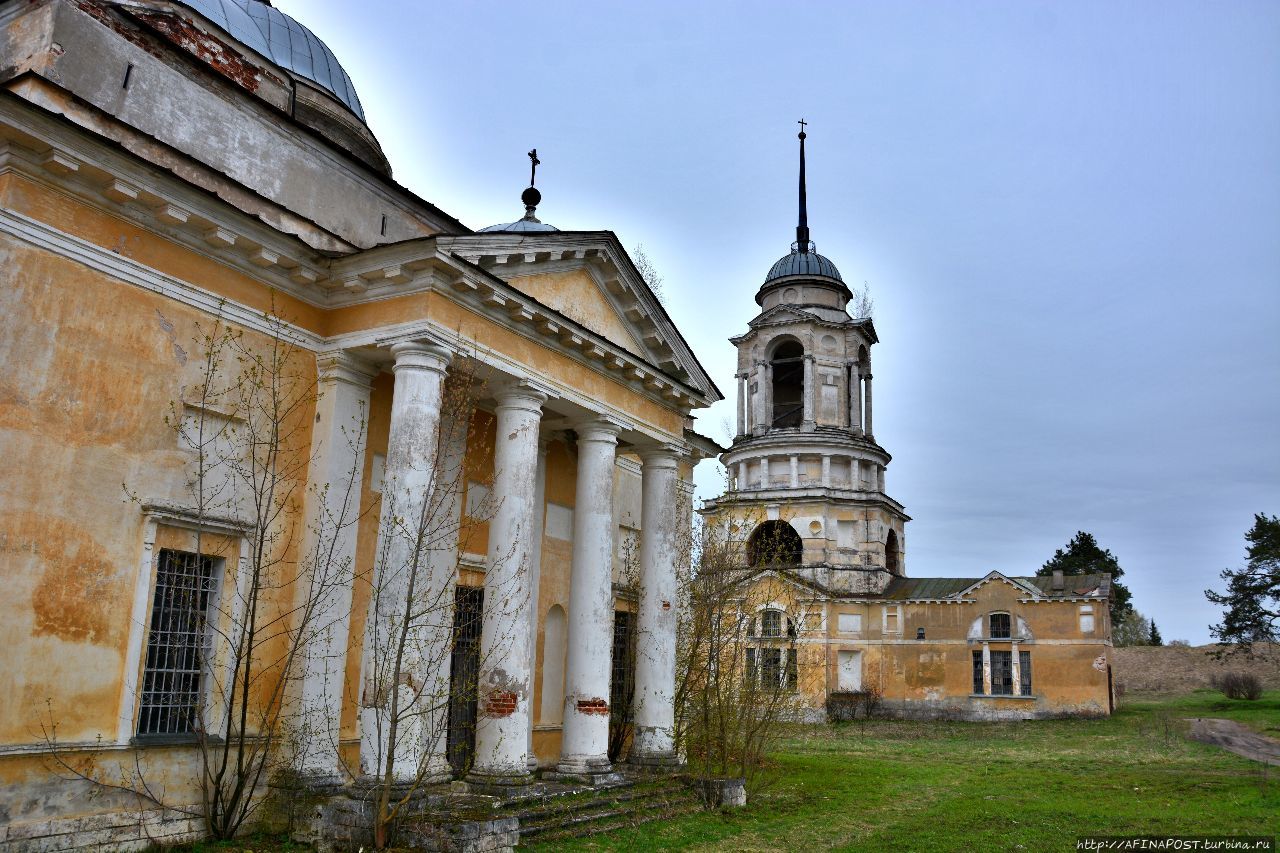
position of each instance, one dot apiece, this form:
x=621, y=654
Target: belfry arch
x=775, y=543
x=892, y=553
x=787, y=368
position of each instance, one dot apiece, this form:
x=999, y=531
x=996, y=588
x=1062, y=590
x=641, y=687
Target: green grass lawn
x=991, y=786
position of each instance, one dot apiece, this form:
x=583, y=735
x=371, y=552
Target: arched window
x=891, y=552
x=775, y=543
x=788, y=384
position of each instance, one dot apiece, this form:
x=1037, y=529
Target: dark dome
x=284, y=41
x=803, y=263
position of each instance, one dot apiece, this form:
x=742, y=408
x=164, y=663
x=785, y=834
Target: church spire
x=802, y=226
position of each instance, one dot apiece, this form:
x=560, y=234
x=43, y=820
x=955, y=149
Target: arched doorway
x=788, y=384
x=891, y=552
x=775, y=543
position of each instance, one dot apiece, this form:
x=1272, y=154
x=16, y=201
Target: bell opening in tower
x=774, y=543
x=788, y=384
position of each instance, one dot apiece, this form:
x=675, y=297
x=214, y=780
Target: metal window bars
x=178, y=644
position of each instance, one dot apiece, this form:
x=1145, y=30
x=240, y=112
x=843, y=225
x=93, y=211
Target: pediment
x=997, y=577
x=589, y=277
x=784, y=314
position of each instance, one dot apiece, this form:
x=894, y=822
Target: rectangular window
x=771, y=668
x=793, y=672
x=849, y=623
x=177, y=644
x=999, y=626
x=1086, y=619
x=891, y=620
x=752, y=674
x=977, y=672
x=1024, y=666
x=1001, y=673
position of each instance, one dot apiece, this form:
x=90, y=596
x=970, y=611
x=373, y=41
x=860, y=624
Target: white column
x=795, y=472
x=1017, y=669
x=585, y=737
x=826, y=471
x=758, y=423
x=535, y=563
x=764, y=472
x=335, y=476
x=656, y=638
x=809, y=393
x=402, y=576
x=767, y=388
x=505, y=682
x=742, y=403
x=867, y=395
x=880, y=478
x=855, y=399
x=742, y=476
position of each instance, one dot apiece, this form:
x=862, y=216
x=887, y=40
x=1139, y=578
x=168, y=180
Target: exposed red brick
x=500, y=703
x=593, y=706
x=666, y=605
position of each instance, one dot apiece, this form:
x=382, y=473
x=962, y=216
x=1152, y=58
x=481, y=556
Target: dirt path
x=1236, y=738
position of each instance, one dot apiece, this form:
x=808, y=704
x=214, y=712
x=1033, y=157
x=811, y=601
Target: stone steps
x=583, y=813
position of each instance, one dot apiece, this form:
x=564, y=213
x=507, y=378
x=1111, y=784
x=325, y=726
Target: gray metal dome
x=520, y=225
x=803, y=263
x=284, y=41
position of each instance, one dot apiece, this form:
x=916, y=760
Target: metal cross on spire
x=802, y=226
x=533, y=166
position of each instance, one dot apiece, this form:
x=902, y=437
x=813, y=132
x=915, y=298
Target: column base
x=595, y=778
x=655, y=760
x=500, y=784
x=808, y=426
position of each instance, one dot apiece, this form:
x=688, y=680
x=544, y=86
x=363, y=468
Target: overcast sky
x=1068, y=213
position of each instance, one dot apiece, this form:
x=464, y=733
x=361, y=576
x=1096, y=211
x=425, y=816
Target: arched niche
x=787, y=363
x=892, y=553
x=775, y=543
x=554, y=647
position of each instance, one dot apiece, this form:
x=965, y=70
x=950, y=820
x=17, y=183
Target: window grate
x=1001, y=673
x=1024, y=671
x=977, y=673
x=1000, y=626
x=177, y=644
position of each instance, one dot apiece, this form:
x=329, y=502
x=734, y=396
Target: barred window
x=177, y=644
x=793, y=673
x=1001, y=673
x=1024, y=670
x=999, y=626
x=977, y=673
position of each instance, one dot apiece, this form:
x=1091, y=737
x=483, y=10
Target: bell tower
x=806, y=486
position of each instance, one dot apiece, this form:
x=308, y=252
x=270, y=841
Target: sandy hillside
x=1177, y=669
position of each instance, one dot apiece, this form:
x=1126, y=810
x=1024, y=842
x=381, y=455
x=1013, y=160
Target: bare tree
x=648, y=271
x=862, y=305
x=737, y=670
x=246, y=421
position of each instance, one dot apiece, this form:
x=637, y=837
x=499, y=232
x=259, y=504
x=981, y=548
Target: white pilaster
x=764, y=472
x=880, y=478
x=742, y=403
x=335, y=475
x=810, y=392
x=535, y=563
x=585, y=737
x=768, y=396
x=409, y=606
x=795, y=471
x=867, y=394
x=826, y=471
x=742, y=476
x=759, y=422
x=855, y=399
x=656, y=638
x=505, y=682
x=986, y=669
x=1017, y=669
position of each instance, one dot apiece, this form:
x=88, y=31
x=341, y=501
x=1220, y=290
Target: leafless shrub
x=1238, y=685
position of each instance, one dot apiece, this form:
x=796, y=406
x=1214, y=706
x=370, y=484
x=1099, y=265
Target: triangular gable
x=636, y=320
x=578, y=296
x=783, y=314
x=997, y=576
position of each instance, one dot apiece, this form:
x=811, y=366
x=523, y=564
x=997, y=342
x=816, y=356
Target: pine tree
x=1156, y=639
x=1252, y=598
x=1083, y=556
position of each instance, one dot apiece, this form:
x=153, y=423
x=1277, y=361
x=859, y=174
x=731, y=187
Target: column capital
x=421, y=355
x=667, y=455
x=341, y=366
x=867, y=375
x=598, y=428
x=522, y=394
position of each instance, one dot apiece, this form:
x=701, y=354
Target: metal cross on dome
x=533, y=165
